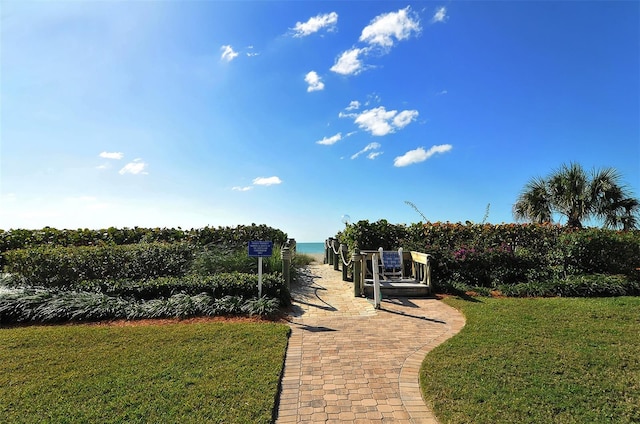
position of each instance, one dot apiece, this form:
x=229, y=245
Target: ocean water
x=310, y=248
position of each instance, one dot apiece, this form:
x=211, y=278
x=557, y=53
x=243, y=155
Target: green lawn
x=539, y=361
x=176, y=373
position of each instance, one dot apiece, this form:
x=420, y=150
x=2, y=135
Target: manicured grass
x=175, y=373
x=552, y=360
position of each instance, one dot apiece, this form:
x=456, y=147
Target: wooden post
x=356, y=258
x=428, y=271
x=376, y=283
x=285, y=254
x=292, y=247
x=336, y=256
x=329, y=252
x=343, y=254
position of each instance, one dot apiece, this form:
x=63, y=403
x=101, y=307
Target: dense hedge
x=509, y=255
x=218, y=285
x=66, y=266
x=230, y=237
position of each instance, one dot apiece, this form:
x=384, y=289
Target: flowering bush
x=504, y=255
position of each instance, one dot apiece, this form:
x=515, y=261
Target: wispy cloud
x=314, y=81
x=440, y=15
x=267, y=181
x=353, y=105
x=137, y=167
x=251, y=53
x=369, y=147
x=387, y=28
x=260, y=181
x=380, y=122
x=328, y=141
x=420, y=155
x=315, y=24
x=374, y=155
x=348, y=63
x=112, y=155
x=228, y=53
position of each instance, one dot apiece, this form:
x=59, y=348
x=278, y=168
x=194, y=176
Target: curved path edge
x=409, y=380
x=348, y=362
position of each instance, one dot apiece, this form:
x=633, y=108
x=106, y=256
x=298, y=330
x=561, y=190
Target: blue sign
x=260, y=248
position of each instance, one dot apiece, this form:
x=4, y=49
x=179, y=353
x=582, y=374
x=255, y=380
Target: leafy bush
x=593, y=251
x=596, y=285
x=65, y=266
x=364, y=235
x=29, y=305
x=532, y=259
x=229, y=237
x=217, y=259
x=218, y=286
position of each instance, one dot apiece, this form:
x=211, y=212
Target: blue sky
x=293, y=114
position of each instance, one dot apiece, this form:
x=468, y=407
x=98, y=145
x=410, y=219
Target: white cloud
x=404, y=118
x=314, y=81
x=346, y=115
x=379, y=121
x=420, y=155
x=228, y=53
x=353, y=105
x=442, y=93
x=368, y=147
x=374, y=155
x=112, y=155
x=440, y=15
x=376, y=121
x=348, y=63
x=315, y=24
x=136, y=167
x=267, y=181
x=384, y=28
x=247, y=188
x=328, y=141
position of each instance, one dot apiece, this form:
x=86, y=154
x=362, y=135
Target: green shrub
x=228, y=237
x=593, y=251
x=519, y=258
x=218, y=285
x=596, y=285
x=364, y=235
x=28, y=305
x=218, y=259
x=65, y=266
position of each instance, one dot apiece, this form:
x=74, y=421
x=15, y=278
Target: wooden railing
x=360, y=264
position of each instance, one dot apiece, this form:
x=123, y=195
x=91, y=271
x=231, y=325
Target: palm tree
x=572, y=192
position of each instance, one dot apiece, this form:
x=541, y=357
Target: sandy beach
x=318, y=257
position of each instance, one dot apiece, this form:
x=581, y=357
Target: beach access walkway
x=348, y=362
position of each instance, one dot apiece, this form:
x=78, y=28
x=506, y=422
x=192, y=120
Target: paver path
x=347, y=362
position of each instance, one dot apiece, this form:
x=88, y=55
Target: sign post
x=260, y=249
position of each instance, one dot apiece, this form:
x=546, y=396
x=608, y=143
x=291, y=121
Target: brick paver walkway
x=347, y=362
